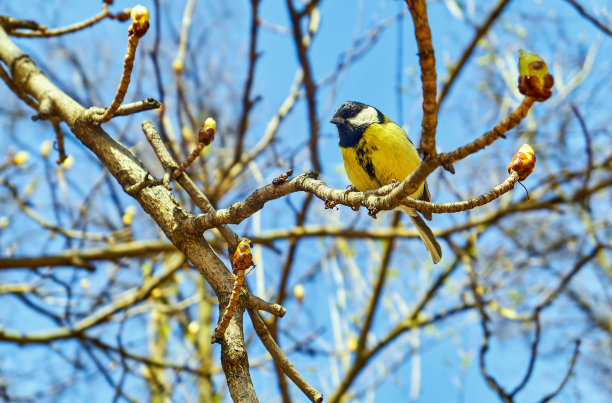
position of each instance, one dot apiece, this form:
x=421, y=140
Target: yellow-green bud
x=534, y=79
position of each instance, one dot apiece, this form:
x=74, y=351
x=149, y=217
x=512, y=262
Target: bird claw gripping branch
x=243, y=259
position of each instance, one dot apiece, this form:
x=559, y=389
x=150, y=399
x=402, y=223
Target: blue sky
x=468, y=111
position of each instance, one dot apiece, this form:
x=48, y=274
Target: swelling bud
x=534, y=79
x=243, y=258
x=523, y=162
x=140, y=21
x=206, y=135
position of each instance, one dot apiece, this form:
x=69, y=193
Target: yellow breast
x=383, y=153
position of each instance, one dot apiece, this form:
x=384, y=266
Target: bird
x=376, y=152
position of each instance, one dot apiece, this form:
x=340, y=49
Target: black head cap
x=349, y=109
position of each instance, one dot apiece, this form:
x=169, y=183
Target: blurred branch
x=416, y=319
x=302, y=43
x=102, y=315
x=477, y=292
x=226, y=182
x=569, y=276
x=369, y=353
x=469, y=50
x=588, y=145
x=158, y=202
x=569, y=372
x=68, y=233
x=23, y=96
x=145, y=359
x=84, y=258
x=373, y=303
x=247, y=102
x=589, y=17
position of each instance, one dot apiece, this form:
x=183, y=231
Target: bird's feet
x=329, y=204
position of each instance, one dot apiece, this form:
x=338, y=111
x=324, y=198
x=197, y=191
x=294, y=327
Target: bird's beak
x=337, y=121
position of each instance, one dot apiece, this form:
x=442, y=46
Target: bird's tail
x=425, y=233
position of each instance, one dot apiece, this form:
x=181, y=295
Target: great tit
x=376, y=151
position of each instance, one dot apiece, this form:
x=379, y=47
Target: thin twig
x=188, y=161
x=373, y=303
x=486, y=337
x=59, y=134
x=588, y=144
x=40, y=31
x=228, y=313
x=131, y=108
x=128, y=64
x=589, y=17
x=23, y=96
x=570, y=369
x=68, y=233
x=279, y=357
x=301, y=42
x=203, y=203
x=247, y=102
x=533, y=355
x=85, y=258
x=242, y=210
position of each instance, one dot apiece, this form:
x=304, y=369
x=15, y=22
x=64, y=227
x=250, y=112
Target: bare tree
x=94, y=287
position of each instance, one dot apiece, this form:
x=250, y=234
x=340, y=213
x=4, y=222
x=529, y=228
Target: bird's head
x=352, y=119
x=356, y=114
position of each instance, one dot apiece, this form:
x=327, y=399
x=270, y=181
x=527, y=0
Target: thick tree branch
x=427, y=60
x=157, y=201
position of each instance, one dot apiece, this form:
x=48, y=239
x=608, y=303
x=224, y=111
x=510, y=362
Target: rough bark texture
x=157, y=201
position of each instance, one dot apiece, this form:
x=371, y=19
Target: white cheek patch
x=365, y=117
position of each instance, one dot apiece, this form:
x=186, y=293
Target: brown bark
x=157, y=201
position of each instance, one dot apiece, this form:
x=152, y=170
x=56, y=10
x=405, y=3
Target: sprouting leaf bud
x=207, y=133
x=243, y=258
x=523, y=162
x=68, y=162
x=128, y=215
x=20, y=158
x=193, y=327
x=298, y=292
x=177, y=66
x=140, y=21
x=534, y=79
x=140, y=14
x=45, y=148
